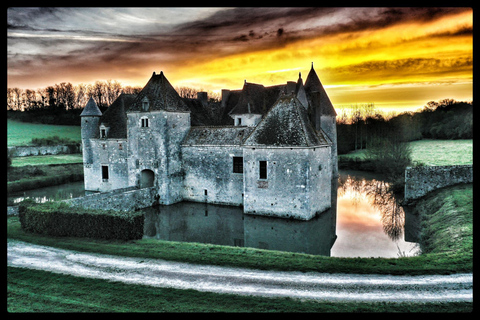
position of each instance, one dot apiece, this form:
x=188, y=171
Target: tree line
x=62, y=103
x=66, y=96
x=445, y=119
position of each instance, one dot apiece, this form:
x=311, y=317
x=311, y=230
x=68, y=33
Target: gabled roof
x=91, y=109
x=313, y=84
x=161, y=96
x=217, y=136
x=116, y=118
x=286, y=125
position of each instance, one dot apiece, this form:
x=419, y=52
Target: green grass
x=49, y=159
x=21, y=133
x=432, y=262
x=434, y=152
x=41, y=291
x=447, y=221
x=26, y=177
x=446, y=218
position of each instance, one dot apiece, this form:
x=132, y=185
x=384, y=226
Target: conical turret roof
x=313, y=84
x=91, y=109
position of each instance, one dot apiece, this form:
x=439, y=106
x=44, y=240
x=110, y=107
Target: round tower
x=90, y=117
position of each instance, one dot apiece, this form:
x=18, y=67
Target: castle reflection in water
x=227, y=225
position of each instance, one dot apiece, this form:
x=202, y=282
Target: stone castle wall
x=26, y=151
x=125, y=199
x=421, y=180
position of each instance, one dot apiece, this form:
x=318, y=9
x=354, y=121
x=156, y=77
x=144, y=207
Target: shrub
x=51, y=141
x=61, y=220
x=391, y=157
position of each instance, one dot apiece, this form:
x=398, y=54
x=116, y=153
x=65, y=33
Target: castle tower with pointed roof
x=270, y=149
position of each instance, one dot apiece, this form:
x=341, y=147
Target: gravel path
x=310, y=285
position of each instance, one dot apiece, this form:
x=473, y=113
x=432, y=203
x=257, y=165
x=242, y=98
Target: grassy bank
x=32, y=177
x=432, y=262
x=427, y=152
x=40, y=291
x=446, y=217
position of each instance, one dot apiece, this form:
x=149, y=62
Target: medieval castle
x=272, y=150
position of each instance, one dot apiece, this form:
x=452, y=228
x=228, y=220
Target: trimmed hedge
x=60, y=220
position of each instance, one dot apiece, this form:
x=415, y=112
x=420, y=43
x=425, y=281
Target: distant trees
x=66, y=96
x=446, y=119
x=61, y=103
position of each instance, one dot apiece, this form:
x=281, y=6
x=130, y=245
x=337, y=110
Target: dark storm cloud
x=89, y=39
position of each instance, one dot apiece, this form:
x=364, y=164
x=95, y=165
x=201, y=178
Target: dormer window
x=103, y=131
x=145, y=104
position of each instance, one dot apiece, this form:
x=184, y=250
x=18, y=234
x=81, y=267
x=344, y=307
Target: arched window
x=147, y=178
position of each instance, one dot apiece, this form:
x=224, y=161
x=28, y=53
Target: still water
x=369, y=222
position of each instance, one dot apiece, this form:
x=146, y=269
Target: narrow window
x=144, y=123
x=120, y=146
x=238, y=164
x=206, y=192
x=103, y=133
x=263, y=170
x=104, y=173
x=239, y=122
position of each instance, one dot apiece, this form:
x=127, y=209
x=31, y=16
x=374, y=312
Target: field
x=435, y=152
x=50, y=159
x=21, y=133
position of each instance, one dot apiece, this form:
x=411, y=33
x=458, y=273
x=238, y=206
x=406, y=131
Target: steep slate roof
x=286, y=125
x=256, y=99
x=313, y=84
x=116, y=118
x=217, y=136
x=91, y=109
x=161, y=96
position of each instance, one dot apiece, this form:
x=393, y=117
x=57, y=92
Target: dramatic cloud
x=219, y=47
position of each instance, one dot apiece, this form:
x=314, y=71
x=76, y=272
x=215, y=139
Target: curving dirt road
x=319, y=286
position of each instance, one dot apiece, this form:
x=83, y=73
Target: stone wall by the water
x=421, y=180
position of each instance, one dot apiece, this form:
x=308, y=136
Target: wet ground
x=310, y=285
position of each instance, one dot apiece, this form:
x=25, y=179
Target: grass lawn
x=40, y=291
x=49, y=159
x=21, y=133
x=446, y=218
x=434, y=152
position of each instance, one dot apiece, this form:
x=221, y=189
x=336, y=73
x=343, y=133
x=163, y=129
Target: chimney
x=291, y=86
x=202, y=97
x=225, y=95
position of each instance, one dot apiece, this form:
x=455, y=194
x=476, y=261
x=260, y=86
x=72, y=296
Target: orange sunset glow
x=396, y=58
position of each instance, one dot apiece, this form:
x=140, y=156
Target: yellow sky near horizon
x=397, y=58
x=400, y=67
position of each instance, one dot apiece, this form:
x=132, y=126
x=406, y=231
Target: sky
x=397, y=58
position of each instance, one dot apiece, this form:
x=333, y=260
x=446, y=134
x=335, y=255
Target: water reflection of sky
x=370, y=223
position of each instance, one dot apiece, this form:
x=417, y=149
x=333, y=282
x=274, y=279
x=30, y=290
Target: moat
x=369, y=222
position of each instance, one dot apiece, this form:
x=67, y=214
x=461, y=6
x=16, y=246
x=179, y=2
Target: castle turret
x=322, y=113
x=90, y=118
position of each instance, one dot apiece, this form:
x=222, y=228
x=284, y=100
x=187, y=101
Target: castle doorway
x=147, y=177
